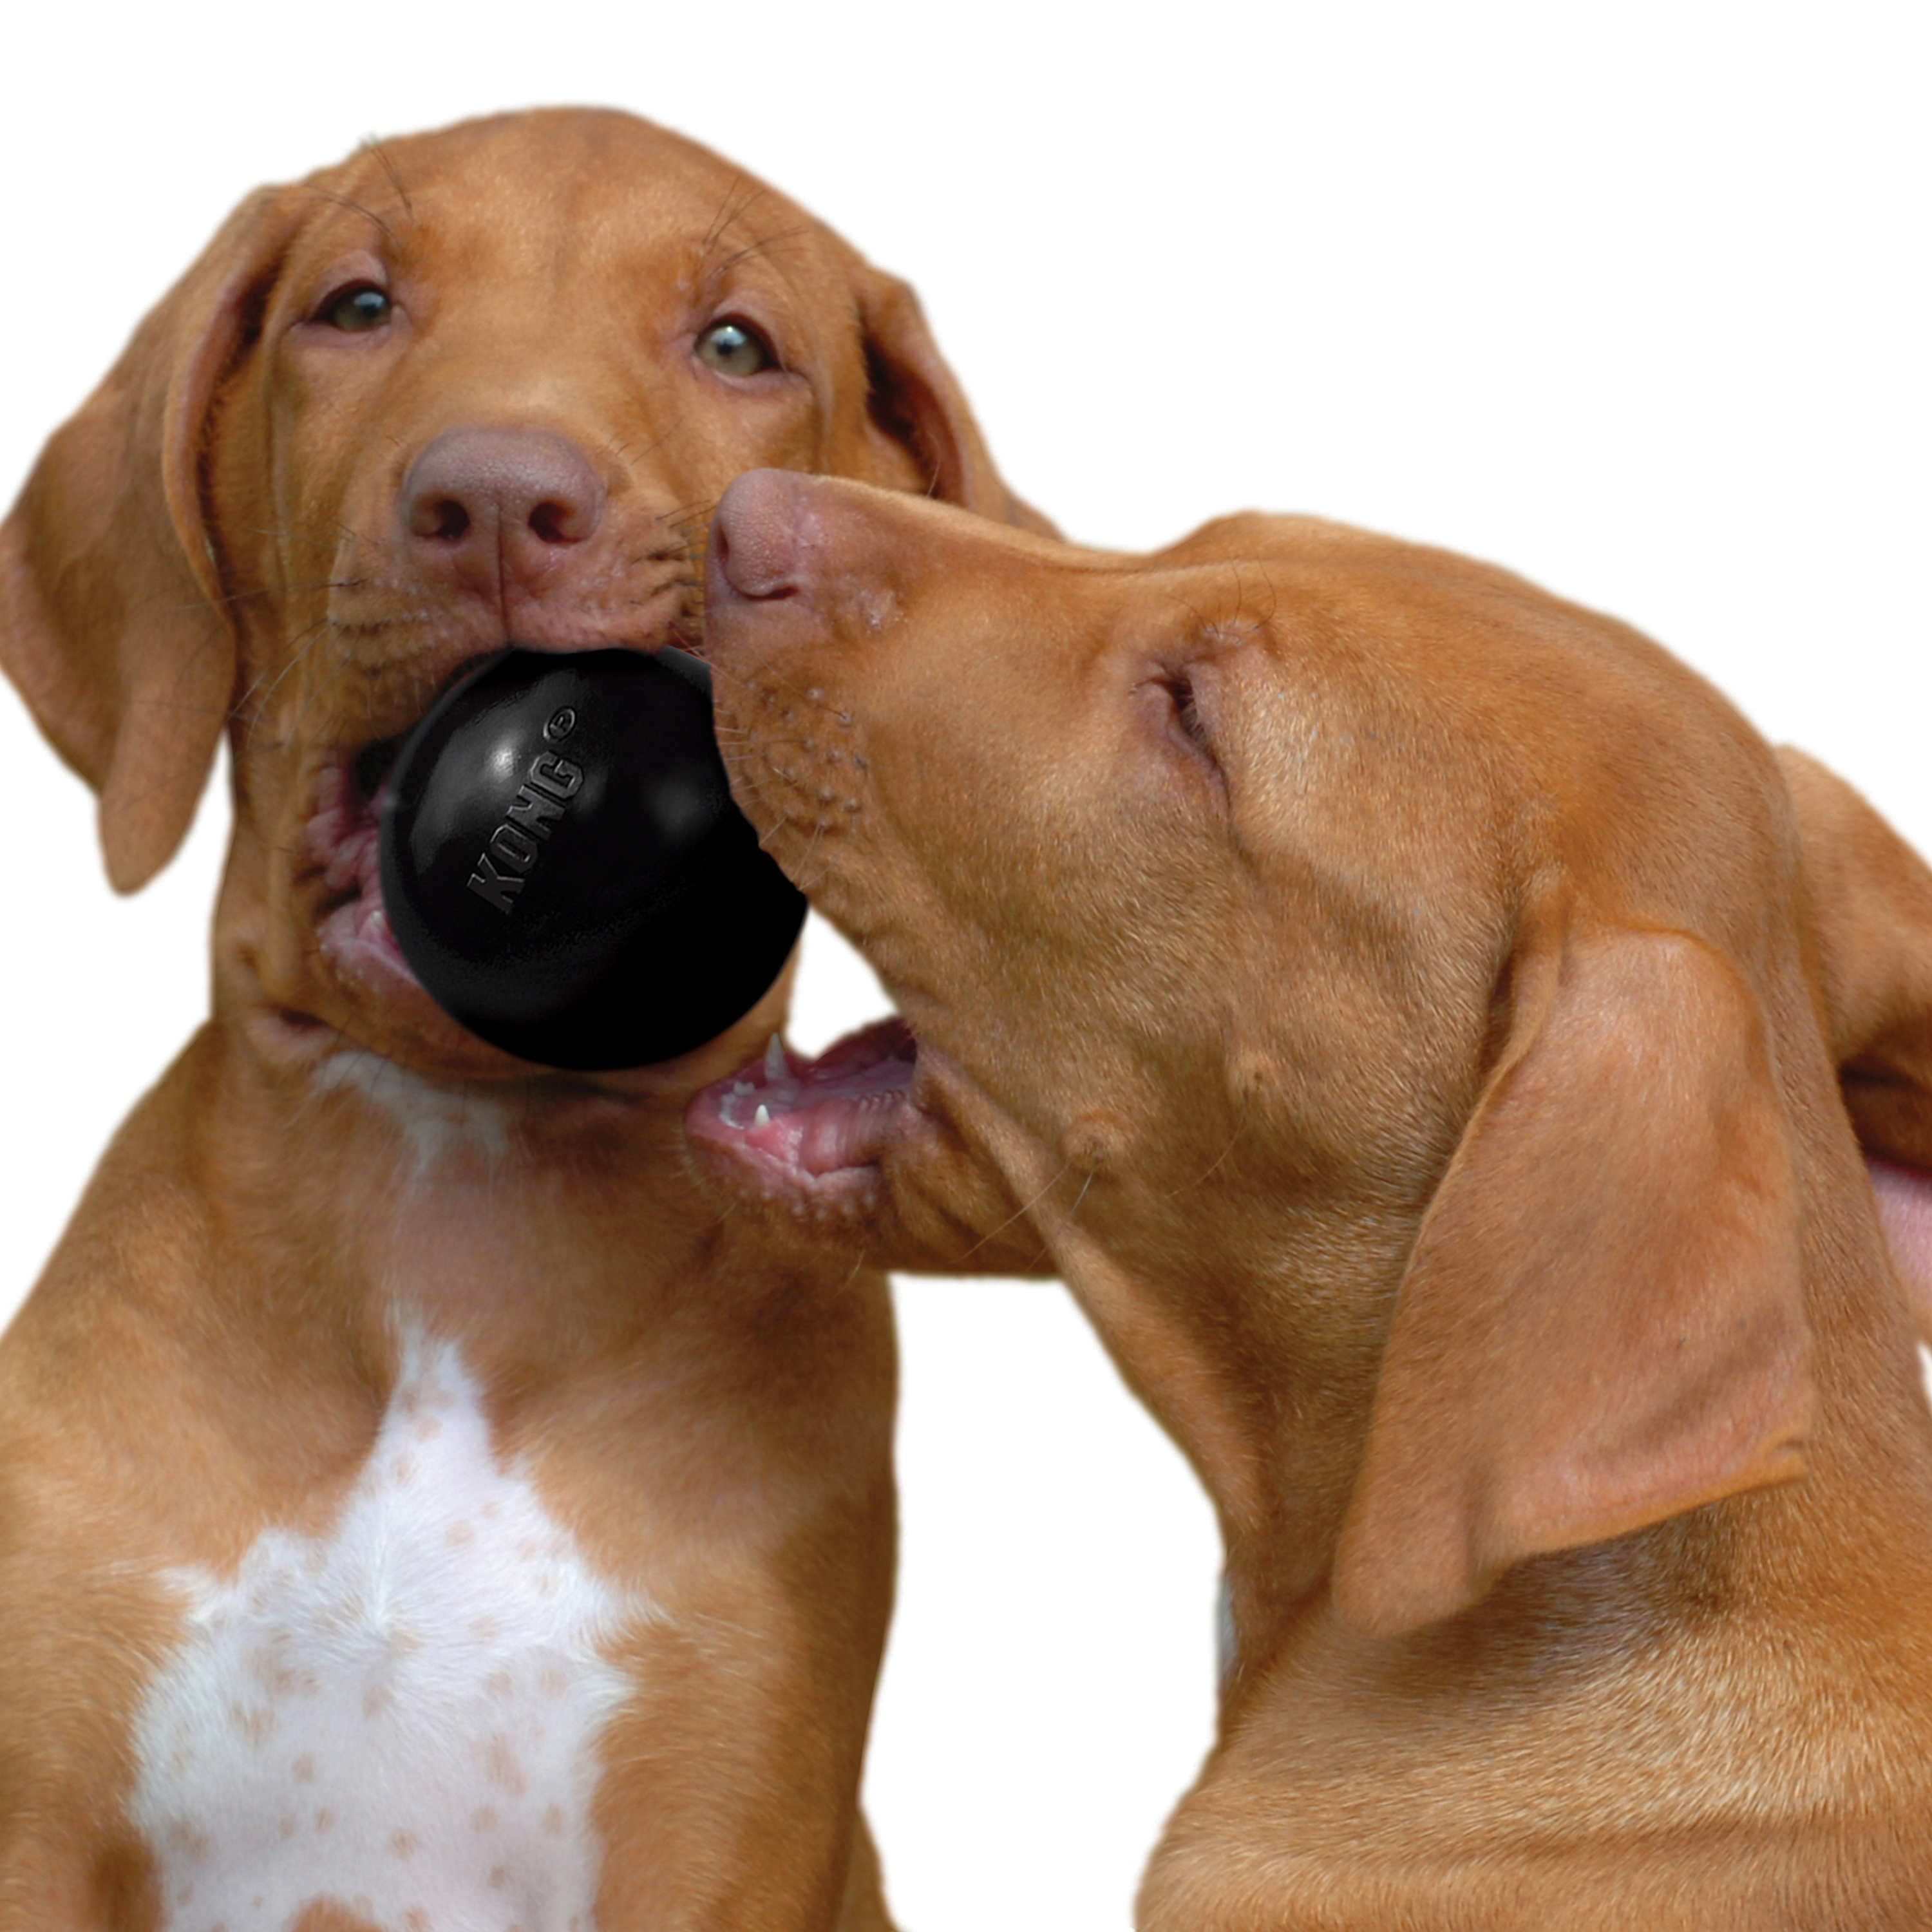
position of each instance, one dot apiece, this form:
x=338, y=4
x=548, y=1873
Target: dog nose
x=500, y=506
x=756, y=536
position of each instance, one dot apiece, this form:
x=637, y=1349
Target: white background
x=1633, y=299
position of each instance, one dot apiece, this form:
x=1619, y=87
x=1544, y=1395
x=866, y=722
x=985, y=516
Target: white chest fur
x=401, y=1715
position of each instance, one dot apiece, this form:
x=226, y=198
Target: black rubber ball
x=564, y=869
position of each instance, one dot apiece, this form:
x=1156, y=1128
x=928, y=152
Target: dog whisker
x=1019, y=1215
x=765, y=246
x=355, y=208
x=373, y=146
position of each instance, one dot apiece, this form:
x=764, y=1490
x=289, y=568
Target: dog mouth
x=345, y=842
x=342, y=858
x=810, y=1133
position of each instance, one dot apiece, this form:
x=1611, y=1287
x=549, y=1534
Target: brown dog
x=416, y=1508
x=1869, y=913
x=1396, y=1000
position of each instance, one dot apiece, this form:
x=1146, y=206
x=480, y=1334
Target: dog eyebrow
x=766, y=245
x=367, y=214
x=713, y=272
x=372, y=146
x=710, y=270
x=728, y=213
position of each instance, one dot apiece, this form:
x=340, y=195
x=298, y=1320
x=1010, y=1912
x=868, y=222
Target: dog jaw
x=809, y=1135
x=878, y=1144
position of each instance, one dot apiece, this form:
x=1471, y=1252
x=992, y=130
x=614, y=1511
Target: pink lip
x=343, y=838
x=812, y=1131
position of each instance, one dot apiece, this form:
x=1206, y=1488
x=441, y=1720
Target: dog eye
x=735, y=349
x=1176, y=715
x=1186, y=724
x=356, y=309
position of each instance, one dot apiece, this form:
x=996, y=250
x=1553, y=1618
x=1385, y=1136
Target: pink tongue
x=831, y=1114
x=841, y=1133
x=1905, y=1211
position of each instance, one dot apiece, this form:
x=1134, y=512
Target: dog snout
x=757, y=539
x=499, y=509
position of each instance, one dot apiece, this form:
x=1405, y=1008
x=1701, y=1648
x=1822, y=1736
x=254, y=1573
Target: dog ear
x=112, y=623
x=916, y=403
x=1601, y=1325
x=1868, y=897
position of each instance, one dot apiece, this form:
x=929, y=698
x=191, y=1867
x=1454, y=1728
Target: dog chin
x=392, y=1015
x=807, y=1136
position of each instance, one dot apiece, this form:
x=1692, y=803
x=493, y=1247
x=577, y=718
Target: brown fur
x=1407, y=1006
x=215, y=543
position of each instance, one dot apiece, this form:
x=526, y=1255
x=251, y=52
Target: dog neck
x=1274, y=1420
x=1274, y=1430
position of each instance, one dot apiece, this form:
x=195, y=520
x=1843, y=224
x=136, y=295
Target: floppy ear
x=1869, y=899
x=1601, y=1323
x=917, y=403
x=112, y=619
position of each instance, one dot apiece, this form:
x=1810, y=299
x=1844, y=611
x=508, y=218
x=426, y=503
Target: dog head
x=471, y=387
x=1378, y=982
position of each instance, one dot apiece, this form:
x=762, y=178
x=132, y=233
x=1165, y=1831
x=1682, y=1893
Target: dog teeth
x=762, y=1117
x=777, y=1067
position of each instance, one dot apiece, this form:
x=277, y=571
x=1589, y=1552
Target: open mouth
x=344, y=838
x=811, y=1132
x=344, y=842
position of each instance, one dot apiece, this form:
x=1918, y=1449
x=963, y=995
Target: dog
x=419, y=1508
x=1869, y=916
x=1408, y=1011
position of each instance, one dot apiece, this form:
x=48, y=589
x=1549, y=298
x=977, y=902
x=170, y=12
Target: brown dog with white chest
x=1399, y=1005
x=418, y=1509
